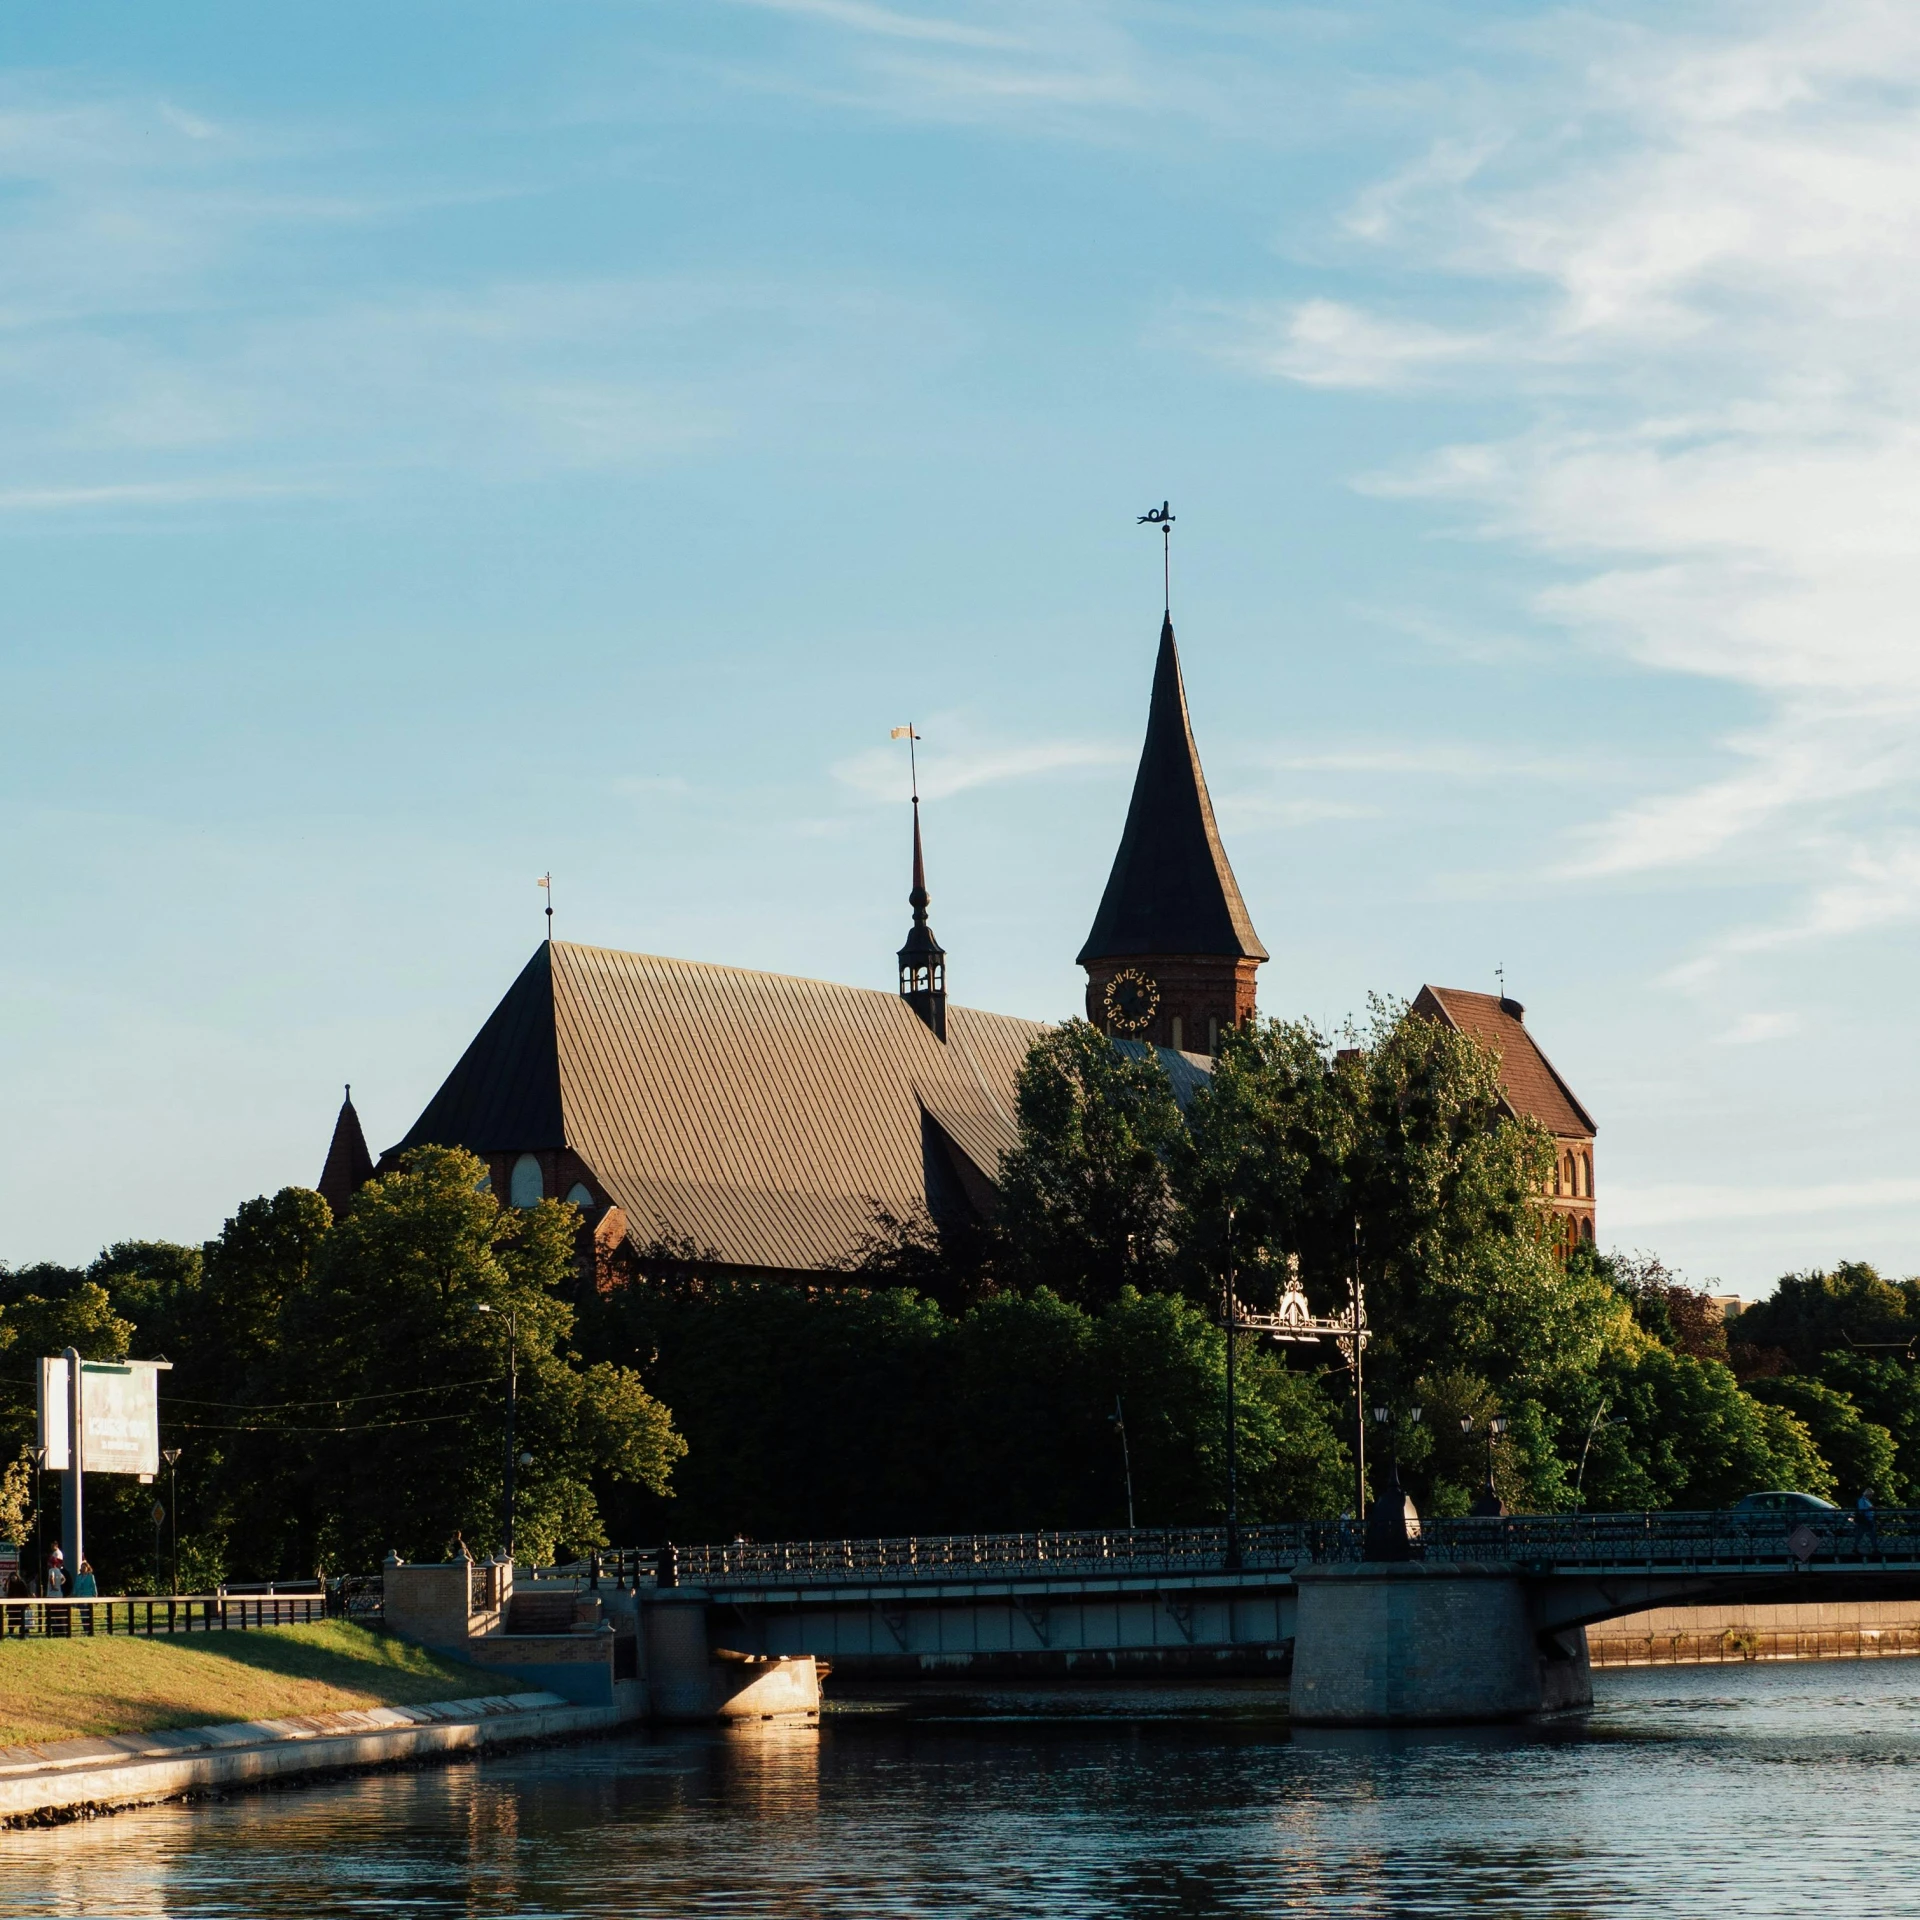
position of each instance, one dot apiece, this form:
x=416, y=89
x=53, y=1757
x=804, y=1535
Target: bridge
x=1485, y=1620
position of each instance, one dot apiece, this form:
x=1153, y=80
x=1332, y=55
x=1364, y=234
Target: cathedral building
x=758, y=1124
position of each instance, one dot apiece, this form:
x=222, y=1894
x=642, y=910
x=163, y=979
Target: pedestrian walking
x=85, y=1587
x=1866, y=1524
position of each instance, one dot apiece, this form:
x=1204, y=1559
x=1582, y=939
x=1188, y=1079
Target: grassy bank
x=54, y=1689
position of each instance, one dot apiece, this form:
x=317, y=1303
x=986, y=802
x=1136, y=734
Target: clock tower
x=1172, y=954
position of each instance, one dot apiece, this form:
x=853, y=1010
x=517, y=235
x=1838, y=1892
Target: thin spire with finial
x=546, y=882
x=1162, y=517
x=923, y=962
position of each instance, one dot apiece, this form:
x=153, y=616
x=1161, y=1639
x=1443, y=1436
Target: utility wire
x=382, y=1426
x=327, y=1400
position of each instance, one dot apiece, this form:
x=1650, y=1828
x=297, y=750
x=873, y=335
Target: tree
x=1860, y=1452
x=1392, y=1156
x=403, y=1377
x=1811, y=1314
x=1886, y=1390
x=1689, y=1437
x=1086, y=1201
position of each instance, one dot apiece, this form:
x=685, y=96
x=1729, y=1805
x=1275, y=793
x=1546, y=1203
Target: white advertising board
x=119, y=1414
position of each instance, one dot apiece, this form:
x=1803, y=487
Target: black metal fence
x=150, y=1615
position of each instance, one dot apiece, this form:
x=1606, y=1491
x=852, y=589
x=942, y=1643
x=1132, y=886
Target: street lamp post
x=1119, y=1419
x=1489, y=1505
x=1598, y=1422
x=39, y=1488
x=1386, y=1533
x=171, y=1456
x=513, y=1383
x=1231, y=1315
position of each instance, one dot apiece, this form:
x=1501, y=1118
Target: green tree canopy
x=1811, y=1314
x=403, y=1332
x=1086, y=1201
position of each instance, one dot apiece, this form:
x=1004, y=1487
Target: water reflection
x=1730, y=1792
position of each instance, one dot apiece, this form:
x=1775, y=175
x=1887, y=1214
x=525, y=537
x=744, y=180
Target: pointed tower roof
x=1171, y=890
x=349, y=1165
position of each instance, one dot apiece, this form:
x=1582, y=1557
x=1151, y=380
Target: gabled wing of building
x=759, y=1116
x=1532, y=1084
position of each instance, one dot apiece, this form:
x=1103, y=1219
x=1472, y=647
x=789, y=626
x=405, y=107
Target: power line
x=328, y=1400
x=381, y=1426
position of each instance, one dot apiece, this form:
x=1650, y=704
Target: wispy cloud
x=888, y=23
x=1326, y=343
x=1752, y=1028
x=877, y=774
x=1698, y=243
x=1441, y=760
x=156, y=493
x=1660, y=1206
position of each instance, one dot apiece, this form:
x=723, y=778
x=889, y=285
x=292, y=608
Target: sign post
x=96, y=1416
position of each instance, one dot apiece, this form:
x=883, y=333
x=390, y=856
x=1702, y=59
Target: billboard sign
x=119, y=1415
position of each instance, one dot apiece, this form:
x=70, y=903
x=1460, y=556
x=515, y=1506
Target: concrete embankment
x=72, y=1779
x=1806, y=1630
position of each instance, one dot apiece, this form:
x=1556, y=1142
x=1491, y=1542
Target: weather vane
x=546, y=882
x=1162, y=517
x=912, y=739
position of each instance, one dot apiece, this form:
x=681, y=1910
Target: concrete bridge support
x=1408, y=1644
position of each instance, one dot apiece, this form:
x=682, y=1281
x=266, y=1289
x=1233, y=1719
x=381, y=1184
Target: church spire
x=923, y=961
x=349, y=1165
x=1172, y=947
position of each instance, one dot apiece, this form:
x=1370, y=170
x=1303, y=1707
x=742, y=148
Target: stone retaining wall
x=72, y=1779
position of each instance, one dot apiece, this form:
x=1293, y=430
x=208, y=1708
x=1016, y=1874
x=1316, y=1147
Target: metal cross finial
x=1162, y=517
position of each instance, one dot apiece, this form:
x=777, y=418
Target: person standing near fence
x=54, y=1619
x=17, y=1616
x=85, y=1587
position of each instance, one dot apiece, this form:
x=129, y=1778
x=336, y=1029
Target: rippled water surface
x=1712, y=1791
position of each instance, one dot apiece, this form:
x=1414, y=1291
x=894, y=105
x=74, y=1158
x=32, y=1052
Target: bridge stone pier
x=1406, y=1644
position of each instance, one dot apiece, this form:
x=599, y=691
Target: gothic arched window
x=528, y=1185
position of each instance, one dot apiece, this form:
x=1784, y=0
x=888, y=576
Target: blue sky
x=443, y=443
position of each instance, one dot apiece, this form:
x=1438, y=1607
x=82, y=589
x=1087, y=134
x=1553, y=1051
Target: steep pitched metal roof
x=1171, y=890
x=349, y=1165
x=1532, y=1084
x=756, y=1114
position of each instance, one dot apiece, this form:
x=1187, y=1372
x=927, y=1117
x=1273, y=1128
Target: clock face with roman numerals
x=1131, y=1001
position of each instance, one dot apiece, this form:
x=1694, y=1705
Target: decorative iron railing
x=1623, y=1542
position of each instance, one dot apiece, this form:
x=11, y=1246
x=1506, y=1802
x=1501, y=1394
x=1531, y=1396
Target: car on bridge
x=1798, y=1506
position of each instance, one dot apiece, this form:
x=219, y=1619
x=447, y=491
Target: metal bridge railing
x=1668, y=1542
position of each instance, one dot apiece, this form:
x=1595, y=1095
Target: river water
x=1697, y=1791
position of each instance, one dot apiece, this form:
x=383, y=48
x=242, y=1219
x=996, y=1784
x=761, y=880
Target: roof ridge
x=891, y=996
